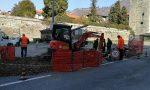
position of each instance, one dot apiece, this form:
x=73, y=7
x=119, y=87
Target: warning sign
x=135, y=44
x=115, y=54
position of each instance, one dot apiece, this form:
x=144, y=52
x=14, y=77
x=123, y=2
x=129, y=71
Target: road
x=131, y=74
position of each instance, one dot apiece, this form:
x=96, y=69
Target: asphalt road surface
x=131, y=74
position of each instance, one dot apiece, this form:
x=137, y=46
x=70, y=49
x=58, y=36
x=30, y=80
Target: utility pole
x=53, y=12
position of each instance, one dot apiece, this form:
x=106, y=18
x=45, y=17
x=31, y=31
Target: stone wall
x=139, y=19
x=111, y=33
x=16, y=26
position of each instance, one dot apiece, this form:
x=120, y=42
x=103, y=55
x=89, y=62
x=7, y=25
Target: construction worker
x=24, y=42
x=109, y=43
x=120, y=47
x=95, y=44
x=102, y=43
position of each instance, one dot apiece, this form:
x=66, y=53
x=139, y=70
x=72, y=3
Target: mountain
x=125, y=3
x=104, y=11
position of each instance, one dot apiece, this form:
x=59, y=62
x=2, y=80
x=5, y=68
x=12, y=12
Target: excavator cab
x=61, y=37
x=61, y=32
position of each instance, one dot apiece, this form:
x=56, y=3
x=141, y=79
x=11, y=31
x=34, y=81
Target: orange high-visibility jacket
x=24, y=41
x=120, y=43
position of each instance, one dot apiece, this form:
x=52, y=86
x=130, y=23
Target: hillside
x=104, y=11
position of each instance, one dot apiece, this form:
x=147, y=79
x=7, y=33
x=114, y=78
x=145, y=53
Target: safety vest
x=24, y=41
x=120, y=43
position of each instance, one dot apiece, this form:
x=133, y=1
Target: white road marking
x=17, y=82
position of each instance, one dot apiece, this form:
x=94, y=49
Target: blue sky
x=8, y=4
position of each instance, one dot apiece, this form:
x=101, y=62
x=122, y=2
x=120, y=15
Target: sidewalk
x=33, y=50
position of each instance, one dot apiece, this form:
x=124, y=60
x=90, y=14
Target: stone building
x=139, y=19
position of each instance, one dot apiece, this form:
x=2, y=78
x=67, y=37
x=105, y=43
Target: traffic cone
x=23, y=74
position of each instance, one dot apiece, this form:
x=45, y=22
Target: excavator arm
x=84, y=37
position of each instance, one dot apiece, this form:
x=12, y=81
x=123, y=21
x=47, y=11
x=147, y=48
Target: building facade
x=139, y=19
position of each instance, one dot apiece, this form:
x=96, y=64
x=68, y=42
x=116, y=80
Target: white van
x=14, y=41
x=4, y=39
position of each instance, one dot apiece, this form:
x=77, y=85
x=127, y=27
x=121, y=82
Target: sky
x=7, y=5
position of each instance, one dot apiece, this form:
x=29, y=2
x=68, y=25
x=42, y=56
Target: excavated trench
x=30, y=65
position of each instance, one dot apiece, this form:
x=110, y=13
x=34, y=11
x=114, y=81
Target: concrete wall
x=16, y=26
x=139, y=19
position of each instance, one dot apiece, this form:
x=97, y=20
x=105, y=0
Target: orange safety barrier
x=11, y=53
x=78, y=57
x=61, y=58
x=3, y=52
x=135, y=44
x=7, y=53
x=66, y=61
x=91, y=58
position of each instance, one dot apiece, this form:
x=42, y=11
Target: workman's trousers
x=23, y=51
x=108, y=50
x=121, y=51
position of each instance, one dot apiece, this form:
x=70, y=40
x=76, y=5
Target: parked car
x=14, y=41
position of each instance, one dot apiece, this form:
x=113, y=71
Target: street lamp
x=52, y=22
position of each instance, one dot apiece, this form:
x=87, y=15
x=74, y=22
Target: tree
x=93, y=11
x=124, y=16
x=59, y=5
x=24, y=8
x=118, y=15
x=115, y=13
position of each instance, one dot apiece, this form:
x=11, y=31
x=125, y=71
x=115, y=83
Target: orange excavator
x=62, y=37
x=68, y=55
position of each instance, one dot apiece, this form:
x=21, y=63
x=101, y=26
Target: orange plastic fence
x=91, y=58
x=7, y=53
x=67, y=61
x=136, y=44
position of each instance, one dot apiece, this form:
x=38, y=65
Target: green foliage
x=118, y=15
x=93, y=12
x=132, y=32
x=63, y=18
x=115, y=13
x=124, y=16
x=83, y=20
x=93, y=7
x=111, y=25
x=24, y=8
x=60, y=7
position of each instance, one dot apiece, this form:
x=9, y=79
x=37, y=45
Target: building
x=139, y=19
x=39, y=15
x=73, y=16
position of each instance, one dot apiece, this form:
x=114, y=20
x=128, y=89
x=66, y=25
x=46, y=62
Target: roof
x=73, y=16
x=104, y=11
x=39, y=11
